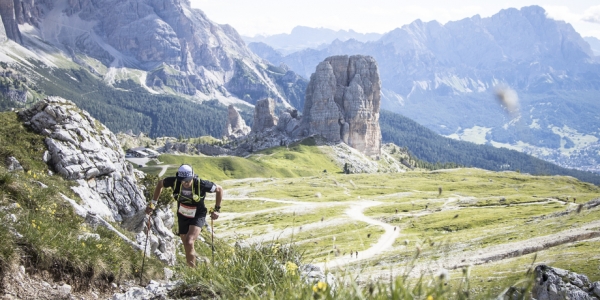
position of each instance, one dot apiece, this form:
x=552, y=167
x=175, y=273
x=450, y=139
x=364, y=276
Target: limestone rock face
x=3, y=36
x=264, y=115
x=555, y=284
x=289, y=122
x=236, y=126
x=80, y=148
x=9, y=22
x=342, y=102
x=179, y=47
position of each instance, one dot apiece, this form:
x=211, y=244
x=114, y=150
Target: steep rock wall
x=81, y=149
x=235, y=126
x=342, y=102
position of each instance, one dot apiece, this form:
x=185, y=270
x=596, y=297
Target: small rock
x=596, y=288
x=12, y=164
x=87, y=236
x=12, y=218
x=168, y=273
x=42, y=185
x=64, y=289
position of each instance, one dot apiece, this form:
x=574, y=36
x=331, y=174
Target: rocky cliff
x=9, y=22
x=264, y=115
x=235, y=126
x=3, y=36
x=179, y=48
x=82, y=149
x=342, y=102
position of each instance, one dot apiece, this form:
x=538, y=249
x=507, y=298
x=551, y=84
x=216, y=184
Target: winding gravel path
x=385, y=242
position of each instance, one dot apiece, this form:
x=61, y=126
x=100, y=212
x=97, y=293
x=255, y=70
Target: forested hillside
x=131, y=107
x=436, y=149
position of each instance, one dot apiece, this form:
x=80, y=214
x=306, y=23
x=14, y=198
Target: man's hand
x=214, y=215
x=150, y=208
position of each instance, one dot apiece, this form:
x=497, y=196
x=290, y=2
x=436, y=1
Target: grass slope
x=40, y=230
x=298, y=160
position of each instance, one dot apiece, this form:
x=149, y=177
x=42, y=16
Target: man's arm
x=152, y=205
x=218, y=197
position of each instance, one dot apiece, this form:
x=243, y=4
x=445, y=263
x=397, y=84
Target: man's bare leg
x=188, y=244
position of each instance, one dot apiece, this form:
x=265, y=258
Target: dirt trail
x=385, y=242
x=355, y=213
x=295, y=206
x=163, y=170
x=459, y=259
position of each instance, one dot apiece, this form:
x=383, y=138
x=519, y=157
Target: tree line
x=436, y=151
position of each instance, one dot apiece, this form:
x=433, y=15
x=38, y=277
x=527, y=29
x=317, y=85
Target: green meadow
x=441, y=217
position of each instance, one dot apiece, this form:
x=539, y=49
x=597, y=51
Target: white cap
x=185, y=173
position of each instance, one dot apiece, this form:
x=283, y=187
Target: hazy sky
x=251, y=17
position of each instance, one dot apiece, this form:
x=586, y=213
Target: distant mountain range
x=445, y=77
x=594, y=43
x=303, y=37
x=166, y=46
x=165, y=69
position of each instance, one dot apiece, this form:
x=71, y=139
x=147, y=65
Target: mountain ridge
x=176, y=49
x=302, y=37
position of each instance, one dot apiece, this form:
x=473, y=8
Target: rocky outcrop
x=557, y=284
x=3, y=36
x=190, y=148
x=264, y=115
x=12, y=164
x=236, y=126
x=82, y=149
x=9, y=22
x=289, y=121
x=342, y=102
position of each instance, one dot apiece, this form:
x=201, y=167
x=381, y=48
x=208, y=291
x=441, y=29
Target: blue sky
x=280, y=16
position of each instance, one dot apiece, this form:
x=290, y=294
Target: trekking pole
x=212, y=239
x=145, y=246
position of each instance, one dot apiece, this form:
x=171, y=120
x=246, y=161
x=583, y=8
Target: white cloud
x=562, y=13
x=592, y=14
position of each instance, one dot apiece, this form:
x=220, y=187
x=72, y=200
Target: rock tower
x=236, y=126
x=342, y=102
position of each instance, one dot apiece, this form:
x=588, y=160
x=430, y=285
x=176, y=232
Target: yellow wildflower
x=17, y=205
x=275, y=248
x=429, y=297
x=291, y=268
x=320, y=287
